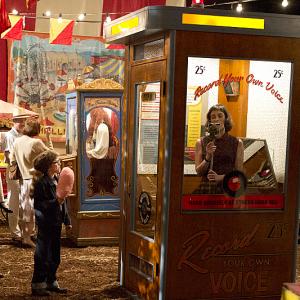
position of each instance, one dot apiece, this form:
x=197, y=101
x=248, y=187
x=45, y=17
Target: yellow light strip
x=208, y=20
x=124, y=26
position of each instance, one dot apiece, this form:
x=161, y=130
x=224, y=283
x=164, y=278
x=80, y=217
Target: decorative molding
x=98, y=215
x=101, y=84
x=96, y=241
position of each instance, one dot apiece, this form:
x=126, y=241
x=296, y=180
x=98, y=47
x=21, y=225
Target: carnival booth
x=93, y=146
x=186, y=236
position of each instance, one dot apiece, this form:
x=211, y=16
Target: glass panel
x=149, y=50
x=236, y=134
x=71, y=124
x=102, y=146
x=146, y=154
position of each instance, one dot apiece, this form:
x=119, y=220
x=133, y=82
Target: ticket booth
x=93, y=147
x=180, y=240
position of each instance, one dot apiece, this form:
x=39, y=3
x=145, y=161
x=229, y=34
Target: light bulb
x=81, y=17
x=239, y=7
x=14, y=12
x=198, y=3
x=108, y=19
x=48, y=13
x=285, y=3
x=59, y=18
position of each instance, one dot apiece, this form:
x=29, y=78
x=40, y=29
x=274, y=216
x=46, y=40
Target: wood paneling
x=236, y=105
x=202, y=262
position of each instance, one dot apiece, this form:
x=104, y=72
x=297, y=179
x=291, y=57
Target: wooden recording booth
x=93, y=121
x=178, y=241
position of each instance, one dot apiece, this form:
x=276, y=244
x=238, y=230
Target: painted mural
x=43, y=73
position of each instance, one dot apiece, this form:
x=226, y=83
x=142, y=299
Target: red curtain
x=3, y=69
x=19, y=5
x=4, y=20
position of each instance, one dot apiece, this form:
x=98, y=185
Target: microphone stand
x=211, y=164
x=214, y=129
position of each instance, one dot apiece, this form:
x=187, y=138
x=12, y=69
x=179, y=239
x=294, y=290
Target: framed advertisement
x=262, y=91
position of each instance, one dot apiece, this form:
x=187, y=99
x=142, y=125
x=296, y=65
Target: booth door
x=144, y=178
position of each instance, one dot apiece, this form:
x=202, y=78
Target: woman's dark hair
x=32, y=127
x=228, y=121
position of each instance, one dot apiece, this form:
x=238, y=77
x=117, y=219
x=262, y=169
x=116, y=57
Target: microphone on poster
x=213, y=130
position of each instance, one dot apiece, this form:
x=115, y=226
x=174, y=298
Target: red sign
x=207, y=202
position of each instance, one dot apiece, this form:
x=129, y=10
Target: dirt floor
x=87, y=273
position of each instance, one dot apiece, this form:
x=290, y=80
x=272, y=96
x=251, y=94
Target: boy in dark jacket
x=50, y=213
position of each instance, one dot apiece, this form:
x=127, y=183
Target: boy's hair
x=32, y=127
x=43, y=161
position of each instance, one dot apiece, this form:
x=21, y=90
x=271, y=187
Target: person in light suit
x=13, y=186
x=25, y=149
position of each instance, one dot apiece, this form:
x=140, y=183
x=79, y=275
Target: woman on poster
x=102, y=150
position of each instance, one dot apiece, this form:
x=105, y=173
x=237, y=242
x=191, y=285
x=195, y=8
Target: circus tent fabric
x=30, y=3
x=61, y=31
x=15, y=31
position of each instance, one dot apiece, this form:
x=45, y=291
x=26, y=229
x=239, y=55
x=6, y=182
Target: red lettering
x=216, y=286
x=232, y=282
x=201, y=90
x=194, y=244
x=250, y=79
x=275, y=93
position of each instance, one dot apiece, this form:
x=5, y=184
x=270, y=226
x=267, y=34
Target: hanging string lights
x=237, y=4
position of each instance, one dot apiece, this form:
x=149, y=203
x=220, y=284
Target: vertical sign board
x=245, y=270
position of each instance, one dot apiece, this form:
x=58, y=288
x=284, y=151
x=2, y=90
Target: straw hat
x=17, y=117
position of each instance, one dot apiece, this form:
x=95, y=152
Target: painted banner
x=39, y=74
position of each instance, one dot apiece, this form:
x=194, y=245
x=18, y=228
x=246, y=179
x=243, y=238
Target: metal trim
x=160, y=18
